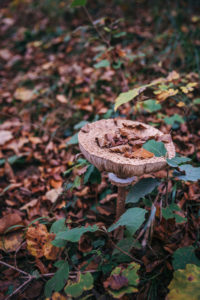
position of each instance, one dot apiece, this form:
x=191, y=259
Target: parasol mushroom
x=115, y=146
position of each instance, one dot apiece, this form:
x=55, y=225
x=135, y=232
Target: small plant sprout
x=119, y=147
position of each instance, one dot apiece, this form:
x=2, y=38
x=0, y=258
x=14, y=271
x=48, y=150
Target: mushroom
x=98, y=142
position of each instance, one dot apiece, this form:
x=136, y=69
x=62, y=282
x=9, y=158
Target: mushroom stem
x=120, y=202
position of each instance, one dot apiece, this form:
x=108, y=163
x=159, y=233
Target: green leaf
x=196, y=101
x=126, y=245
x=184, y=256
x=58, y=226
x=80, y=125
x=191, y=173
x=73, y=140
x=175, y=118
x=128, y=96
x=92, y=175
x=74, y=235
x=151, y=105
x=130, y=274
x=132, y=219
x=84, y=283
x=158, y=148
x=141, y=189
x=102, y=64
x=176, y=161
x=169, y=213
x=77, y=3
x=185, y=284
x=57, y=282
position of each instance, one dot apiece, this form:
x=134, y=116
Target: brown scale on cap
x=99, y=140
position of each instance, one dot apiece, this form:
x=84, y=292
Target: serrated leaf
x=176, y=161
x=102, y=64
x=175, y=118
x=132, y=219
x=74, y=235
x=141, y=189
x=158, y=148
x=184, y=256
x=185, y=284
x=57, y=282
x=77, y=3
x=191, y=173
x=84, y=283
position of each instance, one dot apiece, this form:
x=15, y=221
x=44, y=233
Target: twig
x=126, y=253
x=14, y=268
x=95, y=27
x=20, y=287
x=167, y=186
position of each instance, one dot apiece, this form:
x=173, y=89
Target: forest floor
x=59, y=71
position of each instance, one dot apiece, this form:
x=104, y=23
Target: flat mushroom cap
x=121, y=166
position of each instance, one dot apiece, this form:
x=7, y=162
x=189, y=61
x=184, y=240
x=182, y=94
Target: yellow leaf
x=181, y=104
x=163, y=95
x=173, y=76
x=10, y=242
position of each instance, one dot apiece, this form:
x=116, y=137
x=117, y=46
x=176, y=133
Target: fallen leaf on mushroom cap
x=39, y=242
x=142, y=154
x=5, y=136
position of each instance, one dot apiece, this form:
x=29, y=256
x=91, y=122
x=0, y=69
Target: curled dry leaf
x=24, y=94
x=39, y=242
x=142, y=154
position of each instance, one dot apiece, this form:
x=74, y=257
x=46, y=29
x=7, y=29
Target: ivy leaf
x=57, y=282
x=191, y=173
x=84, y=283
x=141, y=189
x=74, y=235
x=76, y=3
x=185, y=284
x=184, y=256
x=132, y=219
x=158, y=148
x=176, y=161
x=102, y=64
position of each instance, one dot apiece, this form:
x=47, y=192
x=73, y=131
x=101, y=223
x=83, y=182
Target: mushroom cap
x=121, y=166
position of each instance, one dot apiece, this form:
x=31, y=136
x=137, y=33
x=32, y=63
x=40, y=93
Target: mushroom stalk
x=120, y=202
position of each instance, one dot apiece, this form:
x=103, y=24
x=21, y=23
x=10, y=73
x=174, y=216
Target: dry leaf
x=8, y=221
x=30, y=204
x=53, y=194
x=39, y=242
x=61, y=99
x=5, y=54
x=163, y=95
x=5, y=136
x=24, y=94
x=142, y=154
x=173, y=76
x=120, y=149
x=11, y=241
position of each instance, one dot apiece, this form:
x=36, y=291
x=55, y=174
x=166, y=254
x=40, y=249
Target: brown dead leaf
x=29, y=205
x=56, y=184
x=142, y=154
x=8, y=221
x=163, y=95
x=116, y=282
x=5, y=54
x=173, y=76
x=5, y=136
x=39, y=242
x=11, y=241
